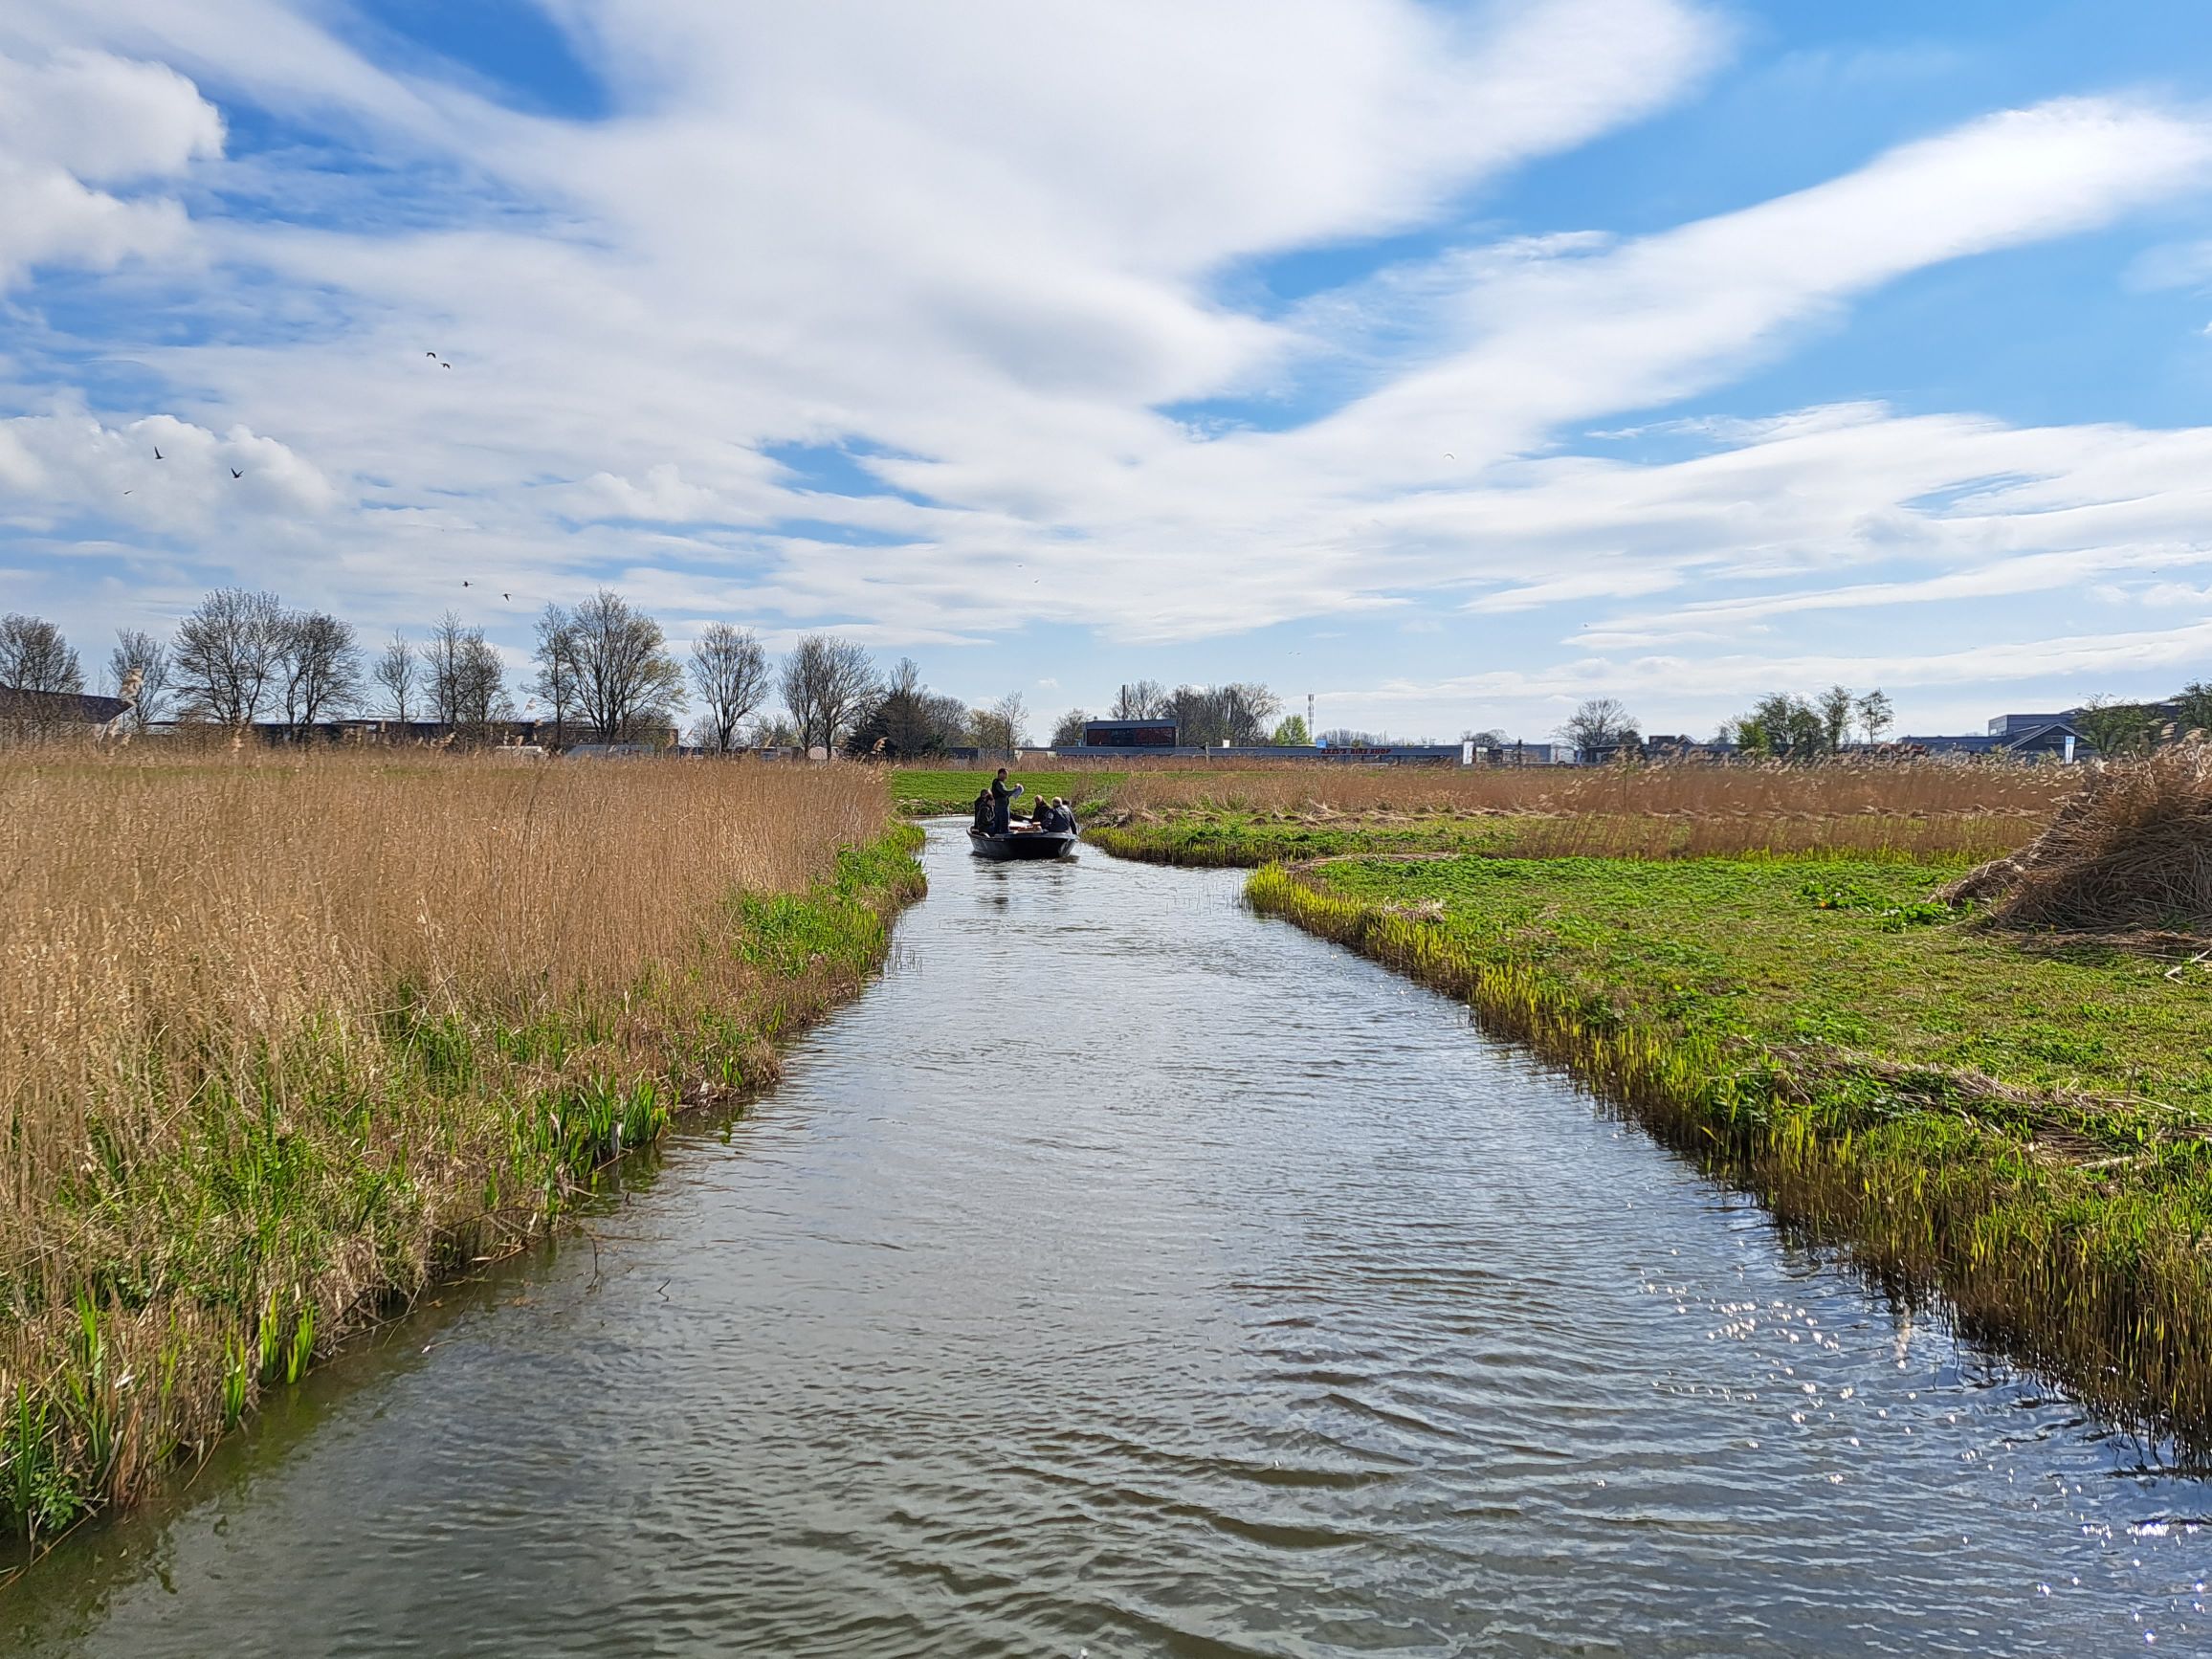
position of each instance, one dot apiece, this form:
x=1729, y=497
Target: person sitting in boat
x=983, y=813
x=1063, y=815
x=1002, y=802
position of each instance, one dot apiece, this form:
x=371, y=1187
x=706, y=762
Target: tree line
x=599, y=671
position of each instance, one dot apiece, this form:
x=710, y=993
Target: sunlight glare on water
x=1127, y=1275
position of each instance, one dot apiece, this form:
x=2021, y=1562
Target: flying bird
x=464, y=582
x=431, y=355
x=157, y=451
x=506, y=596
x=235, y=474
x=443, y=364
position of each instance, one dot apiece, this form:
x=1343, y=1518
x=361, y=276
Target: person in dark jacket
x=984, y=812
x=1001, y=801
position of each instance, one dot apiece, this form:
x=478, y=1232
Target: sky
x=1450, y=363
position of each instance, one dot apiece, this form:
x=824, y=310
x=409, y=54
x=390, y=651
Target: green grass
x=1221, y=839
x=1850, y=955
x=921, y=792
x=2019, y=1130
x=307, y=1202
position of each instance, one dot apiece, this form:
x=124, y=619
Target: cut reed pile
x=1916, y=811
x=2130, y=854
x=281, y=1037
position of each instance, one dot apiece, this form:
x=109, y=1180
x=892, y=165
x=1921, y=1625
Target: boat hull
x=1028, y=844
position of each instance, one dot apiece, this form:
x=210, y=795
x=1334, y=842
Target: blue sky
x=1450, y=362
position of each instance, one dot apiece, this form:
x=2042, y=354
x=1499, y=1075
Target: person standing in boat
x=1002, y=802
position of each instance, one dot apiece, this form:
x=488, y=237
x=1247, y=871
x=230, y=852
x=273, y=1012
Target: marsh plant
x=284, y=1035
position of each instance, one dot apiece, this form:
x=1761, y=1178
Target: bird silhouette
x=443, y=364
x=464, y=582
x=506, y=596
x=157, y=451
x=235, y=474
x=431, y=355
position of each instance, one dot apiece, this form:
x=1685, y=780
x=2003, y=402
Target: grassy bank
x=282, y=1041
x=924, y=792
x=2022, y=1128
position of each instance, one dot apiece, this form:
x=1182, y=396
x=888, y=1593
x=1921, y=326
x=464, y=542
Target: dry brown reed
x=274, y=1026
x=2130, y=854
x=1912, y=810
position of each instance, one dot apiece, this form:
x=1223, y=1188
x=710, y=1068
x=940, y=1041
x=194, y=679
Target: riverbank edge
x=80, y=1444
x=2049, y=1260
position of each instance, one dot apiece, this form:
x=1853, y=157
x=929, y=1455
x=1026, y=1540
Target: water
x=1127, y=1275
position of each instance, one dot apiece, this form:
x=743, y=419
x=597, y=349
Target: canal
x=1124, y=1274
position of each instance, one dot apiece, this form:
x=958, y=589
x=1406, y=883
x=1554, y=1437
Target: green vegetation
x=2020, y=1129
x=921, y=792
x=1228, y=839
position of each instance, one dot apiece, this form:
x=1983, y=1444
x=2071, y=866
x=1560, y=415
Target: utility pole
x=1311, y=735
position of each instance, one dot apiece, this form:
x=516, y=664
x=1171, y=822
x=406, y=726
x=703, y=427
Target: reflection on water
x=1128, y=1275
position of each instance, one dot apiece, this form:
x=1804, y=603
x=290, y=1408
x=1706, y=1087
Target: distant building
x=1129, y=734
x=25, y=713
x=2017, y=737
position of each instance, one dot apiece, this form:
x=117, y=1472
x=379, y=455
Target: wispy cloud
x=985, y=245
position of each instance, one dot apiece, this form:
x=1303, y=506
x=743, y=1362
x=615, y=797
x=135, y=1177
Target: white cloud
x=57, y=467
x=989, y=241
x=80, y=120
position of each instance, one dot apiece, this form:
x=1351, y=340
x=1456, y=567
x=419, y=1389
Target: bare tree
x=466, y=679
x=1068, y=731
x=1598, y=727
x=226, y=653
x=1004, y=726
x=1235, y=712
x=1145, y=700
x=554, y=679
x=1835, y=706
x=317, y=671
x=139, y=654
x=35, y=656
x=399, y=672
x=905, y=717
x=988, y=727
x=1245, y=708
x=826, y=681
x=2115, y=728
x=730, y=673
x=626, y=680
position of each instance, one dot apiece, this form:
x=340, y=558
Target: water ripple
x=1127, y=1275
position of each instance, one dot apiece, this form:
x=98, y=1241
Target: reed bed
x=283, y=1037
x=1910, y=811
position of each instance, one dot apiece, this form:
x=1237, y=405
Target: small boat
x=1023, y=843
